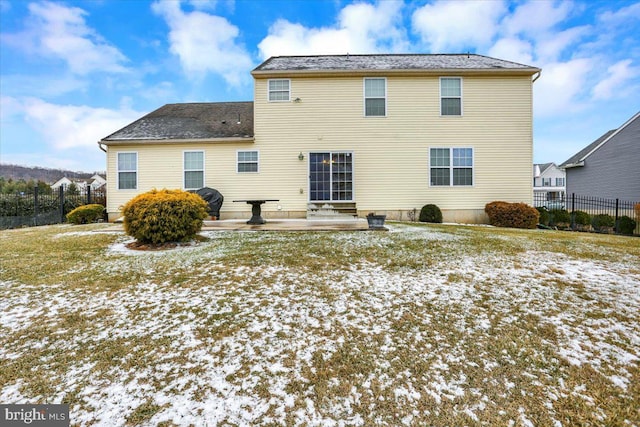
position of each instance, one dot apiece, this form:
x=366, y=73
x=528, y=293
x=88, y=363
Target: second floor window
x=375, y=97
x=546, y=182
x=450, y=96
x=279, y=90
x=193, y=170
x=559, y=182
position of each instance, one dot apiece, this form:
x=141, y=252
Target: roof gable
x=193, y=121
x=577, y=159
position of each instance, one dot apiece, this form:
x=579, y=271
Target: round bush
x=602, y=222
x=86, y=214
x=581, y=218
x=430, y=213
x=626, y=225
x=161, y=216
x=559, y=217
x=513, y=215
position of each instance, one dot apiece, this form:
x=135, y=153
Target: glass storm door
x=330, y=177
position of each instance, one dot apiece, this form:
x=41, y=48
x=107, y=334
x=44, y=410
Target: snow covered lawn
x=423, y=325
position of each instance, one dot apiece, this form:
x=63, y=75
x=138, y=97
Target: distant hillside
x=36, y=173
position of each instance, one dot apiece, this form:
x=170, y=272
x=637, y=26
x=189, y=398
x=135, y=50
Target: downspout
x=100, y=146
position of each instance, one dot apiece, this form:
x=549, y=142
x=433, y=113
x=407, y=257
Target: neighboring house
x=609, y=167
x=65, y=182
x=548, y=185
x=370, y=133
x=95, y=182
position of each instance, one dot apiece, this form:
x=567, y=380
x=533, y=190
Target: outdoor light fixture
x=301, y=156
x=297, y=100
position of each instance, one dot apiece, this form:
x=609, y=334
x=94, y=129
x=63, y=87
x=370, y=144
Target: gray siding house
x=609, y=167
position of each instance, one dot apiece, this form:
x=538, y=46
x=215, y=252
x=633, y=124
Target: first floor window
x=451, y=166
x=247, y=161
x=279, y=90
x=193, y=170
x=127, y=171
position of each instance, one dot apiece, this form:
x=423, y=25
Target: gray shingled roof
x=389, y=62
x=586, y=150
x=208, y=120
x=543, y=166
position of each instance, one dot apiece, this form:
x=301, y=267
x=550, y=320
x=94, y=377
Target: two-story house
x=373, y=133
x=609, y=167
x=549, y=186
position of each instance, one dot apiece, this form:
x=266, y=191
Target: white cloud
x=205, y=43
x=74, y=126
x=513, y=49
x=360, y=28
x=452, y=25
x=619, y=74
x=60, y=32
x=621, y=16
x=536, y=17
x=560, y=87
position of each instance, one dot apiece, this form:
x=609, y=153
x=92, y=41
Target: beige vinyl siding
x=390, y=154
x=391, y=164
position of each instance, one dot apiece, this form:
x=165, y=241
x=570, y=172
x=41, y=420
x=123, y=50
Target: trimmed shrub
x=513, y=215
x=431, y=213
x=602, y=222
x=559, y=218
x=582, y=220
x=161, y=216
x=626, y=225
x=85, y=214
x=544, y=215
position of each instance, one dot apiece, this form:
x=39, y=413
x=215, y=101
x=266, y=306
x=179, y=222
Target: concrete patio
x=342, y=224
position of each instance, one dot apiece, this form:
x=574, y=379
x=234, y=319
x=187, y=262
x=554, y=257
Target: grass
x=424, y=325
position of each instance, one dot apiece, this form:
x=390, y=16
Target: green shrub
x=513, y=215
x=626, y=225
x=85, y=214
x=431, y=213
x=559, y=218
x=582, y=220
x=161, y=216
x=602, y=222
x=544, y=215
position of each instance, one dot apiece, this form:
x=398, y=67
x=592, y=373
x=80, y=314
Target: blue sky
x=76, y=71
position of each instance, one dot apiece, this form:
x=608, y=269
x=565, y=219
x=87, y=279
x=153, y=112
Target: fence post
x=61, y=198
x=616, y=223
x=35, y=205
x=88, y=194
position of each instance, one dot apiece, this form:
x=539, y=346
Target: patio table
x=256, y=209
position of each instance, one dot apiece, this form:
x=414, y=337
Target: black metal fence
x=20, y=210
x=588, y=213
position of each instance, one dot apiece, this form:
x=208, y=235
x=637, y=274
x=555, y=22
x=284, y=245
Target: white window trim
x=126, y=170
x=269, y=91
x=238, y=161
x=451, y=167
x=185, y=170
x=364, y=96
x=461, y=96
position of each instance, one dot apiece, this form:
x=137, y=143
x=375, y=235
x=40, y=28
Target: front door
x=331, y=177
